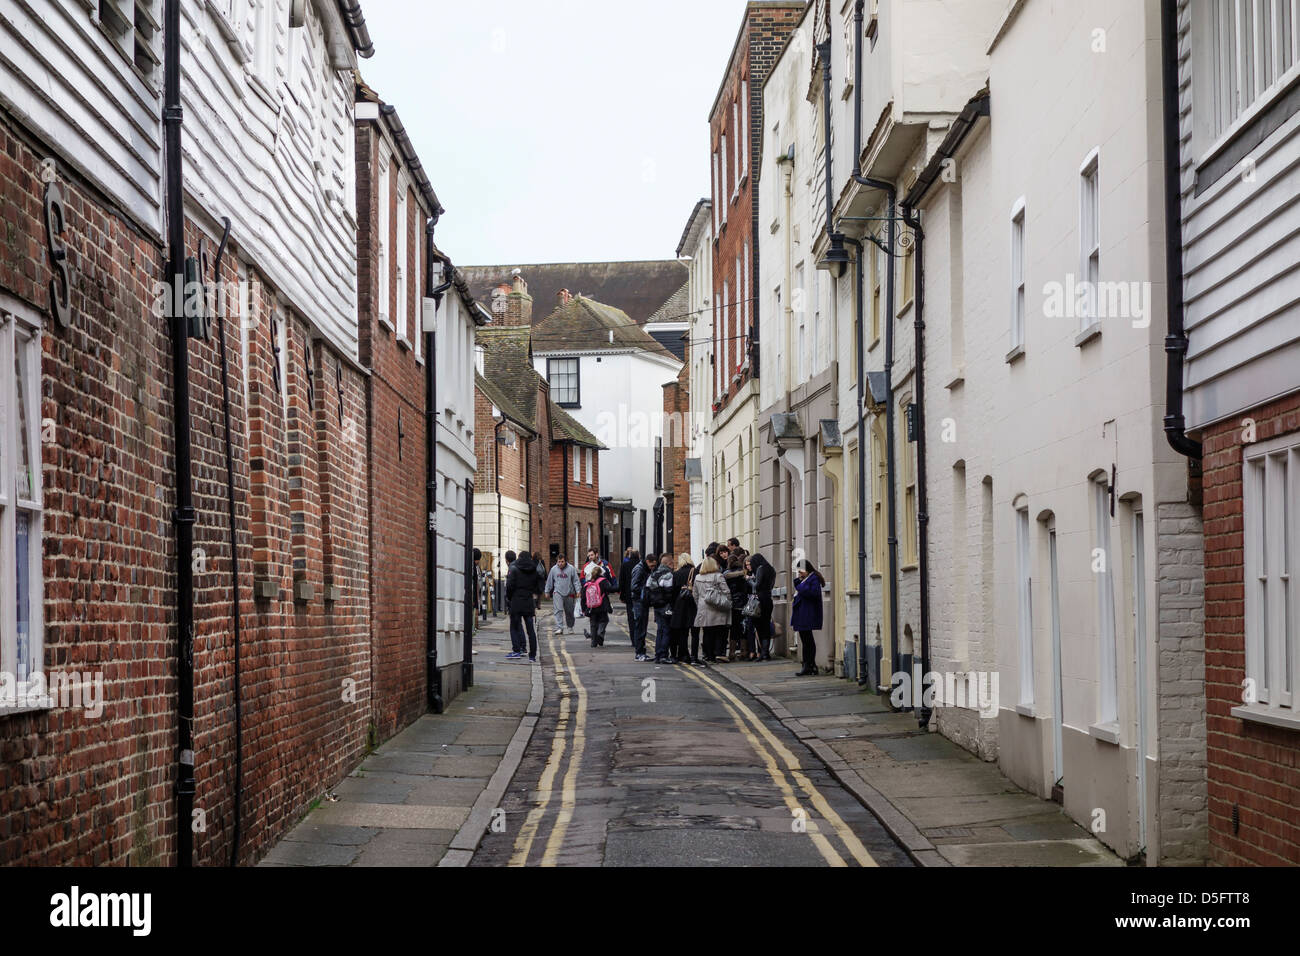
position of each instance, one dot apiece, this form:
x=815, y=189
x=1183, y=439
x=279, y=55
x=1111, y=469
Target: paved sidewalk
x=945, y=805
x=426, y=796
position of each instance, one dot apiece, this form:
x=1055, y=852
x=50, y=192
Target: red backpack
x=592, y=595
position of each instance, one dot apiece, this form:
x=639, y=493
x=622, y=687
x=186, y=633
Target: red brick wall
x=583, y=503
x=81, y=790
x=677, y=406
x=512, y=460
x=761, y=40
x=544, y=529
x=396, y=440
x=1251, y=766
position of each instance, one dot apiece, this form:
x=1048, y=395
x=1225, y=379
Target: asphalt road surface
x=637, y=764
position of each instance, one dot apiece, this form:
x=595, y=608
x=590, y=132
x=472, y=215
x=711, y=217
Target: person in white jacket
x=562, y=587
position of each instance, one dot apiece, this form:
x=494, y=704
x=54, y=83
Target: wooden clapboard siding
x=63, y=78
x=289, y=198
x=1241, y=262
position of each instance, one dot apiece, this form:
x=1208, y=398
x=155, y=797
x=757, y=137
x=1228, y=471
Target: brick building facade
x=677, y=495
x=1253, y=765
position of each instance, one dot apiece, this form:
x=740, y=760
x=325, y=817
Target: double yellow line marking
x=766, y=745
x=564, y=667
x=735, y=707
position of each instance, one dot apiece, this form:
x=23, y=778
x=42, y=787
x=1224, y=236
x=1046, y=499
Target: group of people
x=725, y=603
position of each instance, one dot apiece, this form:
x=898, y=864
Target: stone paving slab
x=424, y=798
x=943, y=804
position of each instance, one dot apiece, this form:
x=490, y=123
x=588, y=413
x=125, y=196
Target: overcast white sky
x=556, y=130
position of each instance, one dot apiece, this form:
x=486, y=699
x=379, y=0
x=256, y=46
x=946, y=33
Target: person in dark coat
x=733, y=572
x=684, y=614
x=806, y=613
x=523, y=585
x=762, y=578
x=630, y=560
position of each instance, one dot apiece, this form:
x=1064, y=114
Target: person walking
x=806, y=613
x=523, y=584
x=684, y=614
x=661, y=596
x=712, y=607
x=595, y=599
x=562, y=589
x=638, y=606
x=762, y=578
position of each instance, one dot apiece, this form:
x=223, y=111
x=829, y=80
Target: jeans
x=677, y=644
x=563, y=605
x=663, y=636
x=517, y=624
x=640, y=624
x=736, y=636
x=597, y=630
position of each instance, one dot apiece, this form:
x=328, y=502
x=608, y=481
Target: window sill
x=1026, y=710
x=1106, y=733
x=26, y=705
x=909, y=566
x=1015, y=354
x=1273, y=717
x=384, y=323
x=404, y=342
x=1087, y=335
x=956, y=377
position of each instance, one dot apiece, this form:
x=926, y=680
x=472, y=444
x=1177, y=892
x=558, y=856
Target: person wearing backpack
x=712, y=607
x=661, y=595
x=595, y=600
x=684, y=614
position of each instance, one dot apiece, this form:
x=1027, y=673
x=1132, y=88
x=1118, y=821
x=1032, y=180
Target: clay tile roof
x=582, y=325
x=564, y=427
x=636, y=288
x=502, y=401
x=508, y=367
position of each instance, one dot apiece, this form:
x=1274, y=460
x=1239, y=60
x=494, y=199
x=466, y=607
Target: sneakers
x=531, y=660
x=514, y=656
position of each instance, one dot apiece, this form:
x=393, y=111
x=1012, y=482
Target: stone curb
x=896, y=823
x=461, y=849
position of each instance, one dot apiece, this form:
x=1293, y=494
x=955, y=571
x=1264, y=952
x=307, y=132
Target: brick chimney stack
x=519, y=304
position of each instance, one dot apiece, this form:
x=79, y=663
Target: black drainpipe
x=890, y=451
x=434, y=690
x=913, y=220
x=184, y=516
x=496, y=483
x=1176, y=336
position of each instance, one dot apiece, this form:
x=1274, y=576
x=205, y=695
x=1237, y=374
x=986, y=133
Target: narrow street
x=636, y=764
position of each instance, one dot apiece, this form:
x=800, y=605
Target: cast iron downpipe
x=1176, y=336
x=434, y=689
x=913, y=220
x=184, y=516
x=891, y=459
x=497, y=584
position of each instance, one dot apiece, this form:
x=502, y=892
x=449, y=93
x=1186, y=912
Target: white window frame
x=1018, y=300
x=401, y=321
x=1236, y=92
x=27, y=687
x=742, y=132
x=577, y=465
x=590, y=469
x=1089, y=238
x=1107, y=648
x=1025, y=609
x=264, y=42
x=1271, y=541
x=725, y=191
x=383, y=257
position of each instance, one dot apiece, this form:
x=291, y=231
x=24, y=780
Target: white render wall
x=1042, y=425
x=700, y=355
x=622, y=405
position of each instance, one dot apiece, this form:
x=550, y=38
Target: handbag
x=753, y=607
